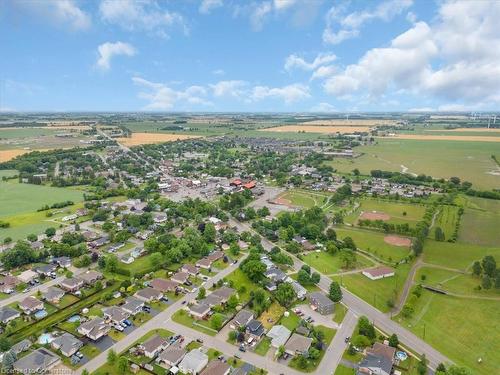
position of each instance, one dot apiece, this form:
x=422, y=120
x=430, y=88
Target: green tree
x=476, y=268
x=122, y=365
x=111, y=263
x=422, y=365
x=393, y=340
x=234, y=249
x=360, y=341
x=209, y=233
x=285, y=294
x=456, y=370
x=32, y=237
x=216, y=321
x=111, y=359
x=4, y=344
x=489, y=265
x=439, y=234
x=8, y=360
x=486, y=282
x=365, y=328
x=202, y=292
x=50, y=232
x=335, y=293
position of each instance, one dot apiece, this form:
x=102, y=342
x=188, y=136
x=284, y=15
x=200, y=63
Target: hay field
x=353, y=122
x=424, y=137
x=472, y=130
x=149, y=138
x=317, y=129
x=6, y=155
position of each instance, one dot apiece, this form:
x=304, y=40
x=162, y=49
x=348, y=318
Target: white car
x=119, y=328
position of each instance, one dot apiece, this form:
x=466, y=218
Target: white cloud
x=65, y=12
x=453, y=58
x=259, y=13
x=283, y=4
x=162, y=97
x=207, y=6
x=108, y=50
x=323, y=108
x=421, y=110
x=348, y=26
x=145, y=15
x=218, y=72
x=324, y=72
x=289, y=94
x=296, y=62
x=235, y=88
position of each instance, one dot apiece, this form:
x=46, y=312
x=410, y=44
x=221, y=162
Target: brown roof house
x=190, y=269
x=90, y=277
x=216, y=367
x=379, y=360
x=153, y=346
x=298, y=344
x=163, y=285
x=172, y=355
x=377, y=273
x=148, y=295
x=94, y=329
x=180, y=277
x=30, y=305
x=71, y=284
x=53, y=294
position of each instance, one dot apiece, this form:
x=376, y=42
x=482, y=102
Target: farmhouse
x=380, y=272
x=27, y=276
x=190, y=269
x=63, y=262
x=321, y=303
x=8, y=284
x=38, y=361
x=115, y=315
x=255, y=328
x=299, y=289
x=223, y=293
x=379, y=360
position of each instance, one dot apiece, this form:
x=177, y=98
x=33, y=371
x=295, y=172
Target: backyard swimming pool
x=41, y=314
x=45, y=338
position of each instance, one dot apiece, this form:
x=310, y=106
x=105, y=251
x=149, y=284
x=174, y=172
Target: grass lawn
x=456, y=255
x=116, y=336
x=479, y=224
x=263, y=346
x=461, y=329
x=339, y=313
x=306, y=199
x=272, y=315
x=446, y=220
x=140, y=265
x=343, y=370
x=90, y=351
x=67, y=300
x=291, y=321
x=242, y=284
x=309, y=287
x=141, y=318
x=471, y=161
x=182, y=317
x=373, y=242
x=376, y=292
x=328, y=264
x=107, y=369
x=312, y=364
x=396, y=210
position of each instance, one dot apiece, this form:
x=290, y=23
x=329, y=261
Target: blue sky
x=270, y=55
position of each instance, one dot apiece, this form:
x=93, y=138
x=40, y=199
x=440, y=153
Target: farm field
x=329, y=264
x=317, y=129
x=149, y=138
x=462, y=334
x=446, y=220
x=480, y=221
x=449, y=137
x=471, y=161
x=456, y=255
x=352, y=122
x=6, y=155
x=373, y=242
x=399, y=213
x=376, y=292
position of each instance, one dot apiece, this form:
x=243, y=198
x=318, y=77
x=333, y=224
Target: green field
x=446, y=220
x=456, y=255
x=343, y=370
x=16, y=198
x=27, y=132
x=373, y=242
x=328, y=264
x=480, y=222
x=460, y=329
x=471, y=161
x=306, y=199
x=376, y=292
x=400, y=213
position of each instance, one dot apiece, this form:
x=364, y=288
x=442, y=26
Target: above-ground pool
x=74, y=318
x=402, y=356
x=41, y=314
x=45, y=338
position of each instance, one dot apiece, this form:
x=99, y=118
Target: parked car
x=127, y=322
x=200, y=341
x=119, y=328
x=79, y=355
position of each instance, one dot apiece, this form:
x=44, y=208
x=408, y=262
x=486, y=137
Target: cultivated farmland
x=149, y=138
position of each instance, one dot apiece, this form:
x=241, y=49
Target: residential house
x=133, y=305
x=379, y=360
x=190, y=269
x=21, y=346
x=39, y=361
x=204, y=263
x=300, y=291
x=95, y=244
x=8, y=284
x=255, y=329
x=90, y=235
x=276, y=275
x=63, y=262
x=379, y=272
x=215, y=255
x=163, y=285
x=148, y=295
x=90, y=277
x=160, y=218
x=193, y=362
x=321, y=303
x=94, y=329
x=67, y=344
x=30, y=305
x=223, y=293
x=242, y=318
x=216, y=367
x=153, y=346
x=46, y=269
x=8, y=313
x=71, y=284
x=199, y=310
x=172, y=355
x=211, y=300
x=115, y=314
x=298, y=344
x=279, y=335
x=180, y=277
x=37, y=245
x=53, y=295
x=27, y=276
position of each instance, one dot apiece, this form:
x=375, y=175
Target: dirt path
x=434, y=217
x=407, y=287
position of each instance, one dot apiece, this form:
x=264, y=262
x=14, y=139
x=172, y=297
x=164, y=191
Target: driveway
x=325, y=320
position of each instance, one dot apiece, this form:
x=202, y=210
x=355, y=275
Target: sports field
x=480, y=222
x=471, y=161
x=394, y=212
x=373, y=242
x=464, y=334
x=302, y=198
x=376, y=292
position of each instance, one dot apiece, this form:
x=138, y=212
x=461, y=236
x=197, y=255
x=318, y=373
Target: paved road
x=155, y=322
x=359, y=307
